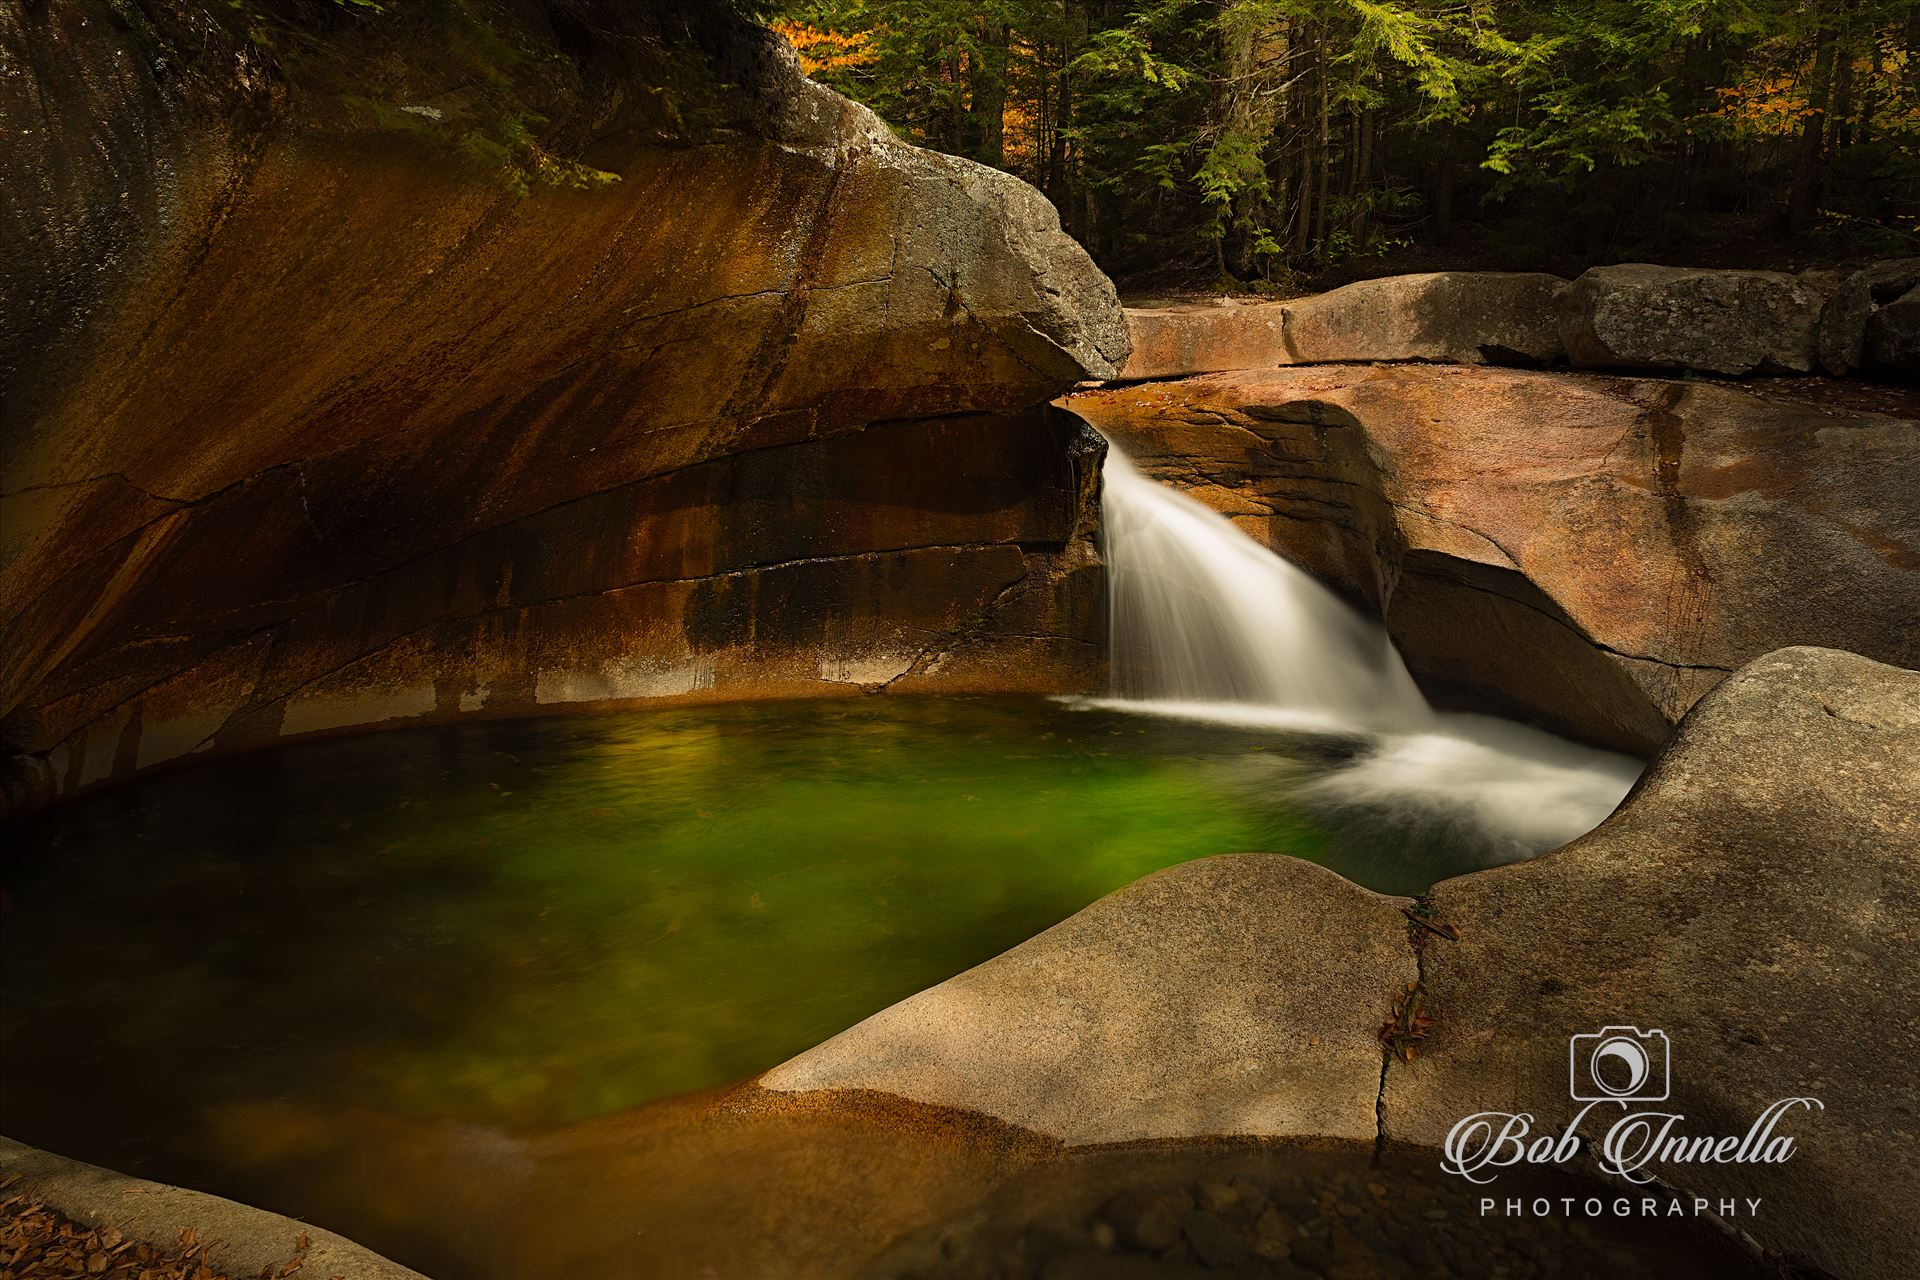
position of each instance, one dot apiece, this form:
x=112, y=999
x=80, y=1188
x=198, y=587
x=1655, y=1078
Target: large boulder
x=1641, y=316
x=1893, y=334
x=1191, y=1002
x=313, y=424
x=1462, y=317
x=1586, y=552
x=1853, y=298
x=1455, y=317
x=1840, y=334
x=1177, y=339
x=1635, y=316
x=1754, y=899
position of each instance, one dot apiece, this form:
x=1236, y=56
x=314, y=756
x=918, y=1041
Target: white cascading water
x=1205, y=617
x=1208, y=624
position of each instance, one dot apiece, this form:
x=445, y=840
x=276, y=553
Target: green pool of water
x=529, y=924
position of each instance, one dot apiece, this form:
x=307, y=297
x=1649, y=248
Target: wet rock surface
x=1590, y=553
x=932, y=555
x=734, y=1182
x=480, y=450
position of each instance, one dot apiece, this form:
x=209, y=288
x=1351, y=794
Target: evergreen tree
x=1252, y=138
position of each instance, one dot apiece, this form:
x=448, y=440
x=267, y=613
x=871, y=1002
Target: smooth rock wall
x=940, y=554
x=309, y=426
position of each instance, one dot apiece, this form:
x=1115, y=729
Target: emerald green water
x=533, y=923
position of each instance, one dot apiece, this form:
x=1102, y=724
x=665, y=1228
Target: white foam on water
x=1524, y=790
x=1207, y=624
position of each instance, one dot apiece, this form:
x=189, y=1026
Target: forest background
x=1272, y=144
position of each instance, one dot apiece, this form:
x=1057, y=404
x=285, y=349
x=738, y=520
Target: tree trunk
x=1246, y=114
x=1440, y=188
x=1841, y=132
x=1804, y=197
x=1303, y=217
x=1057, y=185
x=1870, y=99
x=1360, y=224
x=1350, y=180
x=987, y=95
x=1325, y=161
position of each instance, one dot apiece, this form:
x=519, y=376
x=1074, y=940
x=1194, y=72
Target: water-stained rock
x=1590, y=553
x=312, y=423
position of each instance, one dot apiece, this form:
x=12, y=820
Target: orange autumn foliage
x=1778, y=102
x=824, y=50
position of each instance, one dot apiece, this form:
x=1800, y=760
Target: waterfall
x=1206, y=623
x=1202, y=614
